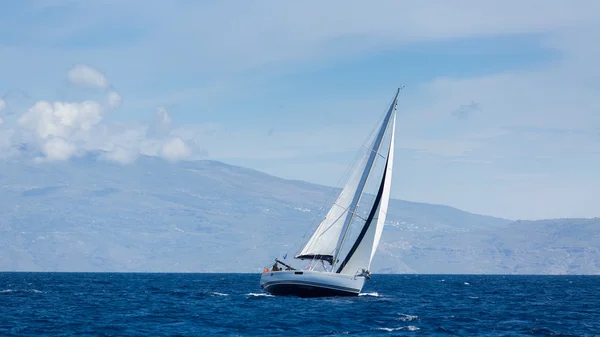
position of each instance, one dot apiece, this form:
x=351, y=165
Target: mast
x=361, y=253
x=361, y=185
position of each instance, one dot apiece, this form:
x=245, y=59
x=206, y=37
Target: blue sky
x=500, y=114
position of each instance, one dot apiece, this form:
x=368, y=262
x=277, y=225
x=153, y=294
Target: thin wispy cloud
x=86, y=76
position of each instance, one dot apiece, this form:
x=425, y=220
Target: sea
x=154, y=304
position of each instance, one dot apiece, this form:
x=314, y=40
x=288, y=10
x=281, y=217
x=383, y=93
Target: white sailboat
x=342, y=247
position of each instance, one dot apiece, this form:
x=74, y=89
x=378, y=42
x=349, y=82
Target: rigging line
x=322, y=208
x=336, y=253
x=354, y=213
x=341, y=245
x=377, y=153
x=380, y=135
x=354, y=160
x=375, y=208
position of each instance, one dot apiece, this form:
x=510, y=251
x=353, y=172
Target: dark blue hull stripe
x=267, y=285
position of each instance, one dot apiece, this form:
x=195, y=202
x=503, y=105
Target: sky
x=500, y=114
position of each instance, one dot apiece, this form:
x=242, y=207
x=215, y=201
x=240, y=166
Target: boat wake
x=373, y=294
x=218, y=294
x=409, y=328
x=259, y=295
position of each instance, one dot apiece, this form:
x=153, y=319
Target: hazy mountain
x=204, y=216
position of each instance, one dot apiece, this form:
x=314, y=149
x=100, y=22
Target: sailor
x=275, y=268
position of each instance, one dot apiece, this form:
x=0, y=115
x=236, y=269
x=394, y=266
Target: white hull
x=305, y=283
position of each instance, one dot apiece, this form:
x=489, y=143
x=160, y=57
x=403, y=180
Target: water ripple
x=137, y=304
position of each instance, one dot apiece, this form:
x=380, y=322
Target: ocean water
x=131, y=304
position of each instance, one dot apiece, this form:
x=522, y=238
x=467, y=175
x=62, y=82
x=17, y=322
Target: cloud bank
x=60, y=130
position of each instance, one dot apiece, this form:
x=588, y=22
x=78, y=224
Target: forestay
x=328, y=239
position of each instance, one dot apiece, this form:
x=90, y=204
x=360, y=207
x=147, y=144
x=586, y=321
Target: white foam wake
x=219, y=294
x=259, y=294
x=409, y=328
x=374, y=294
x=21, y=291
x=407, y=318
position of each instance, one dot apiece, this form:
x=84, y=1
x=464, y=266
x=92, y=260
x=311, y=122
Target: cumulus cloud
x=59, y=130
x=87, y=76
x=61, y=119
x=56, y=149
x=175, y=149
x=62, y=130
x=57, y=125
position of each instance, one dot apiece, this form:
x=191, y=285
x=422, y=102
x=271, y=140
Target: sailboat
x=340, y=250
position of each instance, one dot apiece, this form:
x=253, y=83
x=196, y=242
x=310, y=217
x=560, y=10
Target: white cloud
x=65, y=129
x=121, y=155
x=175, y=149
x=56, y=149
x=87, y=76
x=61, y=119
x=61, y=130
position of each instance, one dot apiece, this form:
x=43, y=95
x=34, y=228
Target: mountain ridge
x=88, y=214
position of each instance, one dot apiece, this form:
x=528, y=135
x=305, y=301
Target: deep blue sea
x=132, y=304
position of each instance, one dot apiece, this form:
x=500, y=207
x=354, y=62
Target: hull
x=310, y=283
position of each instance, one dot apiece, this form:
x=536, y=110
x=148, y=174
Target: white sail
x=350, y=233
x=328, y=239
x=361, y=254
x=323, y=241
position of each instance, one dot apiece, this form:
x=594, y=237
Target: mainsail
x=361, y=254
x=328, y=239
